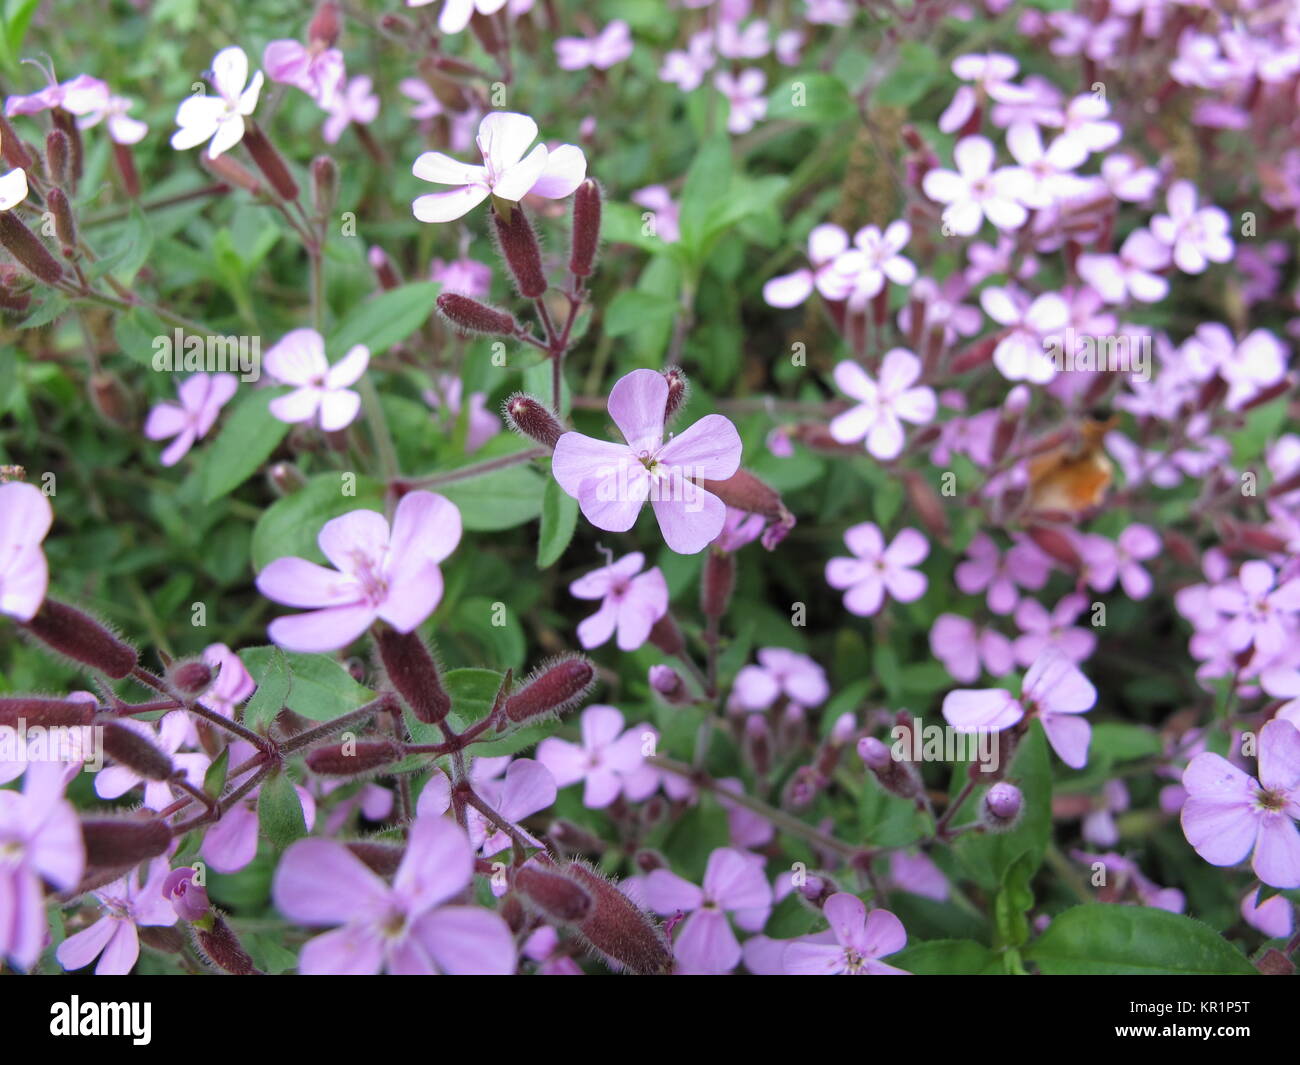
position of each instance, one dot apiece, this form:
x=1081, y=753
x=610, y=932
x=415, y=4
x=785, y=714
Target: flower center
x=1270, y=799
x=369, y=573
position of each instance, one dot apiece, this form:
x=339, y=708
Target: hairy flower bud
x=1056, y=543
x=285, y=478
x=111, y=399
x=125, y=160
x=758, y=743
x=530, y=417
x=350, y=759
x=927, y=504
x=471, y=316
x=119, y=841
x=679, y=388
x=897, y=778
x=326, y=24
x=12, y=148
x=717, y=583
x=58, y=152
x=188, y=678
x=554, y=689
x=586, y=228
x=47, y=713
x=744, y=491
x=24, y=246
x=414, y=673
x=382, y=265
x=188, y=899
x=668, y=683
x=521, y=251
x=79, y=636
x=219, y=944
x=553, y=894
x=667, y=636
x=618, y=929
x=1001, y=807
x=270, y=162
x=127, y=747
x=381, y=858
x=324, y=184
x=230, y=170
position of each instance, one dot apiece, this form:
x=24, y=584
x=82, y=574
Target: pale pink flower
x=201, y=399
x=482, y=424
x=631, y=602
x=986, y=568
x=1262, y=612
x=1022, y=351
x=1197, y=235
x=975, y=191
x=665, y=213
x=826, y=244
x=76, y=96
x=321, y=391
x=25, y=518
x=317, y=72
x=219, y=119
x=1049, y=171
x=962, y=646
x=686, y=69
x=781, y=673
x=884, y=404
x=876, y=569
x=609, y=761
x=113, y=938
x=1275, y=916
x=874, y=258
x=354, y=102
x=610, y=46
x=1041, y=630
x=744, y=92
x=861, y=940
x=1131, y=273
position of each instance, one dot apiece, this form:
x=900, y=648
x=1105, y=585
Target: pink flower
x=25, y=518
x=961, y=646
x=1229, y=814
x=393, y=577
x=201, y=399
x=861, y=940
x=506, y=174
x=97, y=104
x=114, y=781
x=468, y=277
x=883, y=405
x=527, y=788
x=320, y=391
x=739, y=528
x=744, y=92
x=354, y=102
x=734, y=883
x=1131, y=273
x=875, y=257
x=219, y=119
x=1040, y=630
x=233, y=683
x=482, y=426
x=40, y=838
x=826, y=244
x=877, y=569
x=1105, y=562
x=1275, y=916
x=113, y=939
x=317, y=72
x=1054, y=689
x=1021, y=353
x=456, y=14
x=985, y=567
x=406, y=928
x=991, y=75
x=631, y=602
x=1050, y=171
x=1197, y=235
x=686, y=69
x=781, y=672
x=1261, y=612
x=231, y=844
x=606, y=761
x=611, y=482
x=976, y=191
x=76, y=96
x=611, y=45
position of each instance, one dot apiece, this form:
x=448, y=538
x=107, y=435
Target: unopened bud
x=976, y=355
x=1212, y=392
x=65, y=226
x=1054, y=542
x=758, y=743
x=219, y=944
x=553, y=894
x=285, y=478
x=324, y=184
x=58, y=152
x=188, y=899
x=470, y=316
x=414, y=673
x=46, y=713
x=521, y=251
x=1001, y=807
x=125, y=160
x=667, y=636
x=530, y=417
x=618, y=929
x=119, y=841
x=668, y=683
x=24, y=246
x=382, y=265
x=744, y=491
x=586, y=228
x=679, y=388
x=717, y=583
x=110, y=398
x=897, y=778
x=12, y=149
x=129, y=748
x=927, y=504
x=326, y=24
x=574, y=839
x=553, y=690
x=381, y=858
x=230, y=170
x=188, y=678
x=350, y=759
x=270, y=162
x=79, y=636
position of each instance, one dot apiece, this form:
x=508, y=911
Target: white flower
x=13, y=189
x=220, y=118
x=299, y=359
x=976, y=191
x=882, y=403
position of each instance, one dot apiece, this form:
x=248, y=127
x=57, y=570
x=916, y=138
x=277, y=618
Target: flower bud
x=111, y=399
x=326, y=25
x=792, y=727
x=18, y=302
x=382, y=265
x=744, y=491
x=717, y=583
x=188, y=899
x=350, y=759
x=24, y=246
x=573, y=839
x=127, y=747
x=553, y=894
x=471, y=316
x=125, y=160
x=679, y=388
x=896, y=777
x=58, y=151
x=12, y=148
x=586, y=228
x=80, y=637
x=522, y=253
x=874, y=754
x=619, y=930
x=120, y=841
x=1001, y=807
x=552, y=690
x=529, y=417
x=976, y=355
x=666, y=636
x=1054, y=542
x=927, y=504
x=270, y=162
x=414, y=673
x=43, y=712
x=667, y=682
x=381, y=858
x=758, y=743
x=324, y=184
x=222, y=948
x=188, y=678
x=230, y=170
x=285, y=478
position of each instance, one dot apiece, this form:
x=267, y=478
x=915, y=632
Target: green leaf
x=214, y=780
x=947, y=957
x=320, y=689
x=707, y=183
x=1014, y=901
x=631, y=309
x=135, y=332
x=246, y=441
x=811, y=97
x=916, y=71
x=1121, y=742
x=1106, y=939
x=279, y=810
x=273, y=685
x=498, y=500
x=387, y=319
x=289, y=526
x=559, y=519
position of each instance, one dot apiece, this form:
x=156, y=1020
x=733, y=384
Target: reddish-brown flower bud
x=522, y=253
x=678, y=390
x=718, y=582
x=927, y=504
x=24, y=246
x=125, y=160
x=326, y=24
x=188, y=678
x=530, y=417
x=976, y=355
x=382, y=265
x=485, y=29
x=553, y=894
x=230, y=170
x=758, y=743
x=1267, y=395
x=79, y=636
x=471, y=316
x=351, y=759
x=285, y=478
x=120, y=841
x=47, y=713
x=111, y=399
x=414, y=673
x=896, y=777
x=270, y=162
x=744, y=491
x=586, y=228
x=14, y=301
x=554, y=689
x=58, y=152
x=67, y=124
x=667, y=636
x=574, y=839
x=626, y=936
x=324, y=184
x=1053, y=541
x=1212, y=393
x=12, y=148
x=381, y=858
x=127, y=747
x=222, y=948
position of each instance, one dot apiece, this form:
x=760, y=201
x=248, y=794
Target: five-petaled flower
x=219, y=119
x=321, y=391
